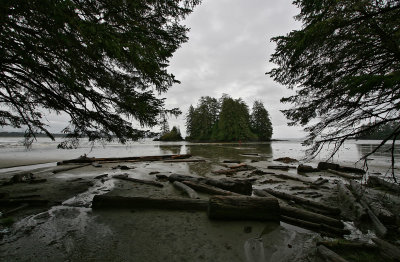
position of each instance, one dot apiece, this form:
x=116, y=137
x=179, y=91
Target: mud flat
x=66, y=228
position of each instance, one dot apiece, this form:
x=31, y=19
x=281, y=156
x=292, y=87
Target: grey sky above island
x=228, y=52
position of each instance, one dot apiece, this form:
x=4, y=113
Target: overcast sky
x=228, y=52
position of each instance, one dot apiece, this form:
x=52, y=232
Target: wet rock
x=154, y=172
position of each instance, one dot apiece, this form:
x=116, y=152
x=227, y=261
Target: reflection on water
x=385, y=152
x=171, y=149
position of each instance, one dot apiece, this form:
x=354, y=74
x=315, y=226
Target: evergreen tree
x=345, y=65
x=173, y=135
x=260, y=122
x=204, y=118
x=99, y=61
x=234, y=121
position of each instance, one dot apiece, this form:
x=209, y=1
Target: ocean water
x=13, y=153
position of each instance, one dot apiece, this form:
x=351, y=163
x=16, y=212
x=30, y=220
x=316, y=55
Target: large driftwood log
x=304, y=201
x=303, y=214
x=140, y=181
x=332, y=166
x=320, y=228
x=104, y=201
x=290, y=177
x=348, y=245
x=237, y=186
x=283, y=168
x=243, y=208
x=212, y=190
x=67, y=168
x=387, y=250
x=338, y=173
x=184, y=160
x=376, y=206
x=348, y=201
x=329, y=255
x=188, y=190
x=121, y=159
x=377, y=181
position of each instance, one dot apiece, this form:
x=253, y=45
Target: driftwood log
x=284, y=176
x=387, y=250
x=104, y=201
x=348, y=245
x=329, y=255
x=243, y=208
x=299, y=200
x=140, y=181
x=376, y=206
x=187, y=190
x=237, y=186
x=320, y=228
x=349, y=176
x=212, y=190
x=122, y=159
x=283, y=168
x=377, y=181
x=184, y=160
x=349, y=202
x=306, y=169
x=332, y=166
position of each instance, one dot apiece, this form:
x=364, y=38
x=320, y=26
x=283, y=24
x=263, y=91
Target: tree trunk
x=348, y=201
x=319, y=228
x=240, y=187
x=122, y=159
x=201, y=187
x=189, y=191
x=376, y=181
x=387, y=250
x=147, y=182
x=344, y=174
x=304, y=201
x=329, y=255
x=104, y=201
x=348, y=245
x=243, y=208
x=376, y=206
x=310, y=216
x=184, y=160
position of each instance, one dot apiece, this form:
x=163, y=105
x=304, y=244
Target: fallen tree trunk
x=387, y=250
x=349, y=202
x=329, y=255
x=348, y=245
x=377, y=181
x=344, y=174
x=319, y=228
x=283, y=168
x=240, y=187
x=188, y=190
x=304, y=201
x=283, y=176
x=208, y=189
x=376, y=206
x=243, y=208
x=121, y=159
x=303, y=214
x=147, y=182
x=104, y=201
x=336, y=167
x=184, y=160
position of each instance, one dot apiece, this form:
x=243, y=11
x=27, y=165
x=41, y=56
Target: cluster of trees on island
x=227, y=119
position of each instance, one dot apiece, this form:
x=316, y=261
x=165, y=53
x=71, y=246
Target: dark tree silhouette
x=345, y=67
x=99, y=61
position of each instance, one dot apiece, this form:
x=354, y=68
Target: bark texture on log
x=188, y=190
x=376, y=206
x=304, y=201
x=349, y=245
x=310, y=216
x=140, y=181
x=319, y=228
x=348, y=201
x=201, y=187
x=338, y=173
x=387, y=250
x=329, y=255
x=244, y=208
x=377, y=181
x=336, y=167
x=237, y=186
x=121, y=159
x=104, y=201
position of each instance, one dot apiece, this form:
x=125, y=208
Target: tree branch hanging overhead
x=102, y=62
x=345, y=67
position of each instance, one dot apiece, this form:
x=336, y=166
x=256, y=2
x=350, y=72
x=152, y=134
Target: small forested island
x=227, y=119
